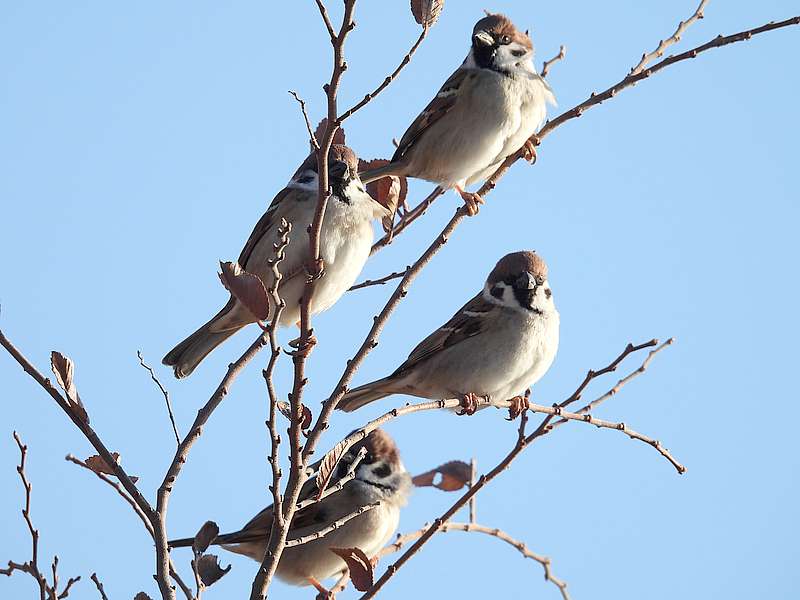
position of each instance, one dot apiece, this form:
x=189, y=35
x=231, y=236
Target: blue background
x=140, y=143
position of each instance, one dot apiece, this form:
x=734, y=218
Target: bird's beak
x=528, y=280
x=338, y=169
x=483, y=38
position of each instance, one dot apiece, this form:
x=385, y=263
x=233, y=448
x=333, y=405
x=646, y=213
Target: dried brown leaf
x=327, y=466
x=360, y=566
x=449, y=477
x=286, y=410
x=142, y=596
x=64, y=370
x=203, y=538
x=99, y=465
x=246, y=287
x=387, y=191
x=338, y=137
x=209, y=570
x=426, y=12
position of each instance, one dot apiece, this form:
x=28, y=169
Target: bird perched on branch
x=379, y=477
x=345, y=241
x=487, y=110
x=497, y=345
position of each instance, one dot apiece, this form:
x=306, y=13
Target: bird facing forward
x=379, y=477
x=487, y=110
x=497, y=345
x=345, y=241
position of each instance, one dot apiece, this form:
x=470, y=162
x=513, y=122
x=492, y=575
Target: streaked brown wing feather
x=438, y=107
x=460, y=327
x=276, y=208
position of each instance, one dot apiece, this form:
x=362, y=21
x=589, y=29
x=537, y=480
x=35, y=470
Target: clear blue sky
x=141, y=142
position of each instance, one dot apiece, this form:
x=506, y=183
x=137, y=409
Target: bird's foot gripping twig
x=469, y=404
x=471, y=200
x=519, y=404
x=324, y=593
x=529, y=150
x=303, y=347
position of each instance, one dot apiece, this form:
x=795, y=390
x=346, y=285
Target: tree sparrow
x=483, y=113
x=380, y=476
x=345, y=243
x=497, y=345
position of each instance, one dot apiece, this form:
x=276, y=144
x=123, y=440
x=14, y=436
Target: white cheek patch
x=511, y=54
x=507, y=297
x=307, y=181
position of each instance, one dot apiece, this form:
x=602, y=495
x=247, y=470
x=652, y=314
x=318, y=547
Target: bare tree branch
x=333, y=526
x=385, y=83
x=562, y=54
x=46, y=592
x=165, y=394
x=673, y=39
x=379, y=281
x=311, y=136
x=99, y=587
x=471, y=527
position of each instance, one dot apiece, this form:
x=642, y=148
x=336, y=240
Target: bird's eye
x=505, y=40
x=368, y=458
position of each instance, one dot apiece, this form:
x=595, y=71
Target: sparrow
x=487, y=110
x=345, y=242
x=380, y=476
x=496, y=346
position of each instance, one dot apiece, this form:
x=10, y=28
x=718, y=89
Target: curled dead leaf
x=286, y=410
x=388, y=191
x=449, y=477
x=209, y=570
x=64, y=370
x=142, y=596
x=327, y=466
x=203, y=538
x=99, y=465
x=361, y=573
x=426, y=12
x=246, y=288
x=319, y=132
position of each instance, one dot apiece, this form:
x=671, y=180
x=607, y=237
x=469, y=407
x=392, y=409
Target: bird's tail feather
x=185, y=357
x=358, y=397
x=374, y=174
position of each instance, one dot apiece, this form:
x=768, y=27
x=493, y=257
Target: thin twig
x=311, y=136
x=272, y=423
x=31, y=567
x=339, y=485
x=673, y=39
x=142, y=517
x=99, y=587
x=473, y=504
x=380, y=281
x=332, y=527
x=164, y=392
x=562, y=54
x=385, y=83
x=471, y=527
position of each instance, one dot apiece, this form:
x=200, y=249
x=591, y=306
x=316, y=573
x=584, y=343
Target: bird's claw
x=303, y=347
x=469, y=405
x=323, y=592
x=529, y=150
x=471, y=201
x=519, y=404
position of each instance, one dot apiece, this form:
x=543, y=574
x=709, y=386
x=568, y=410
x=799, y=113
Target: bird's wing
x=288, y=204
x=441, y=104
x=470, y=320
